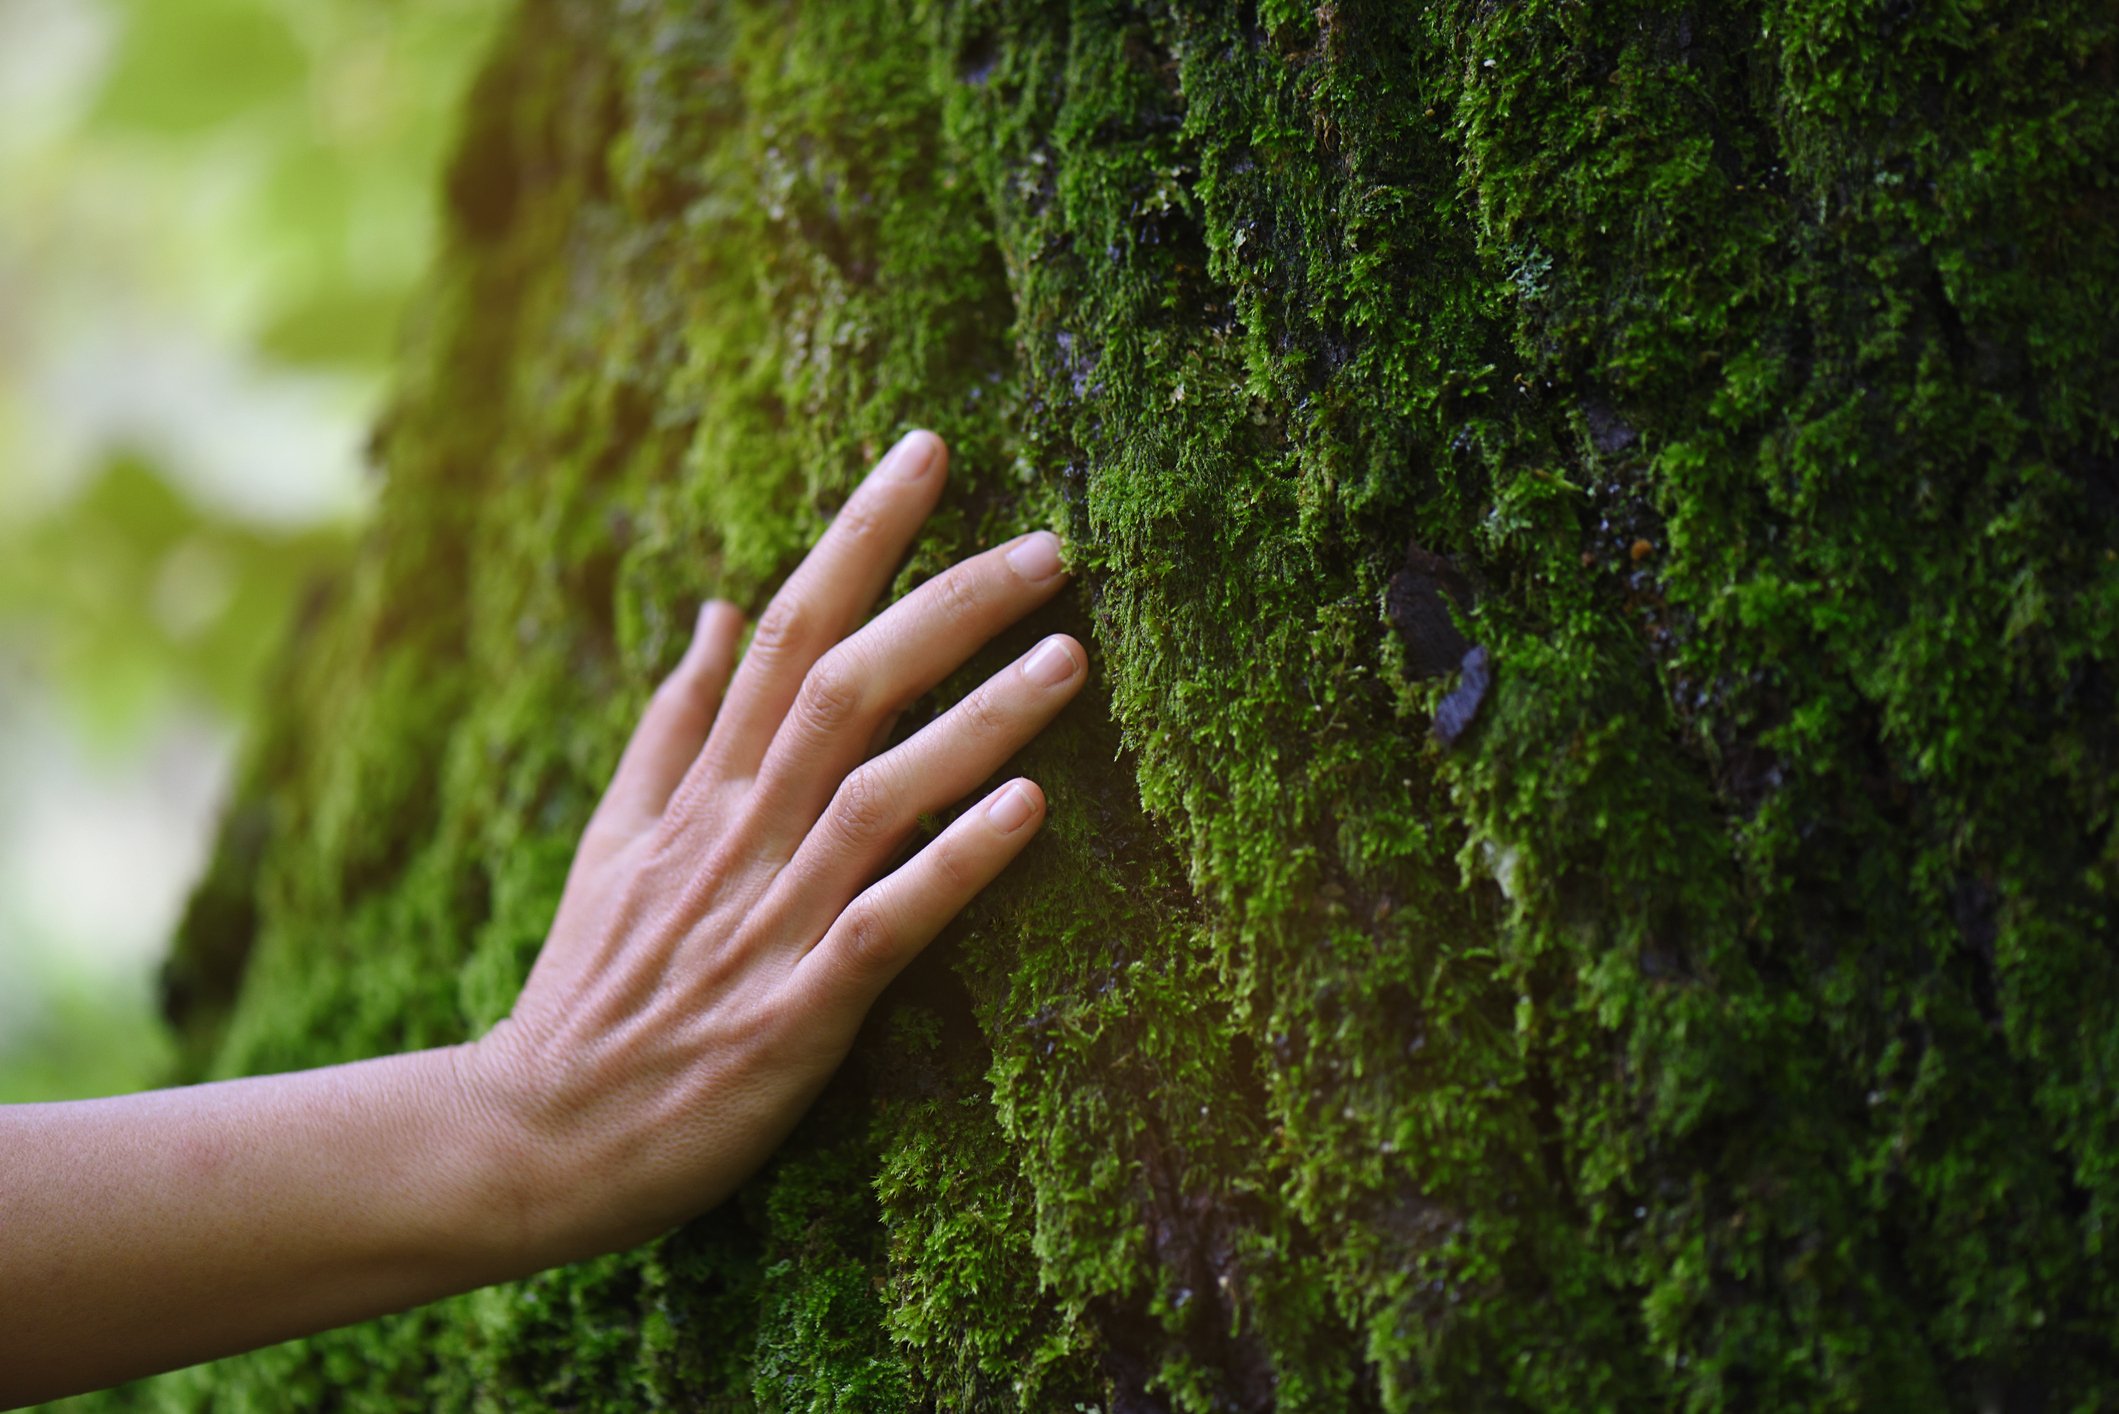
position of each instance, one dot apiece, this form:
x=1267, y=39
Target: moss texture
x=1728, y=1017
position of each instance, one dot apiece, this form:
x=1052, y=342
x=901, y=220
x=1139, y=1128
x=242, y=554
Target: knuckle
x=958, y=591
x=693, y=806
x=865, y=934
x=984, y=713
x=859, y=518
x=865, y=807
x=833, y=692
x=951, y=870
x=782, y=627
x=764, y=1027
x=746, y=1022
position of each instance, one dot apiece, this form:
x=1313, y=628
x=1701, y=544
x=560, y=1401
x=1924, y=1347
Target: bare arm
x=719, y=940
x=154, y=1230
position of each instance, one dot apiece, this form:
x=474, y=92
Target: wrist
x=548, y=1178
x=510, y=1215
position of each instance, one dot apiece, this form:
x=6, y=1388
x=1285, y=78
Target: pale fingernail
x=1011, y=809
x=1051, y=664
x=911, y=457
x=1036, y=557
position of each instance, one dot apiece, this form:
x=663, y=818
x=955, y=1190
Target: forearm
x=155, y=1230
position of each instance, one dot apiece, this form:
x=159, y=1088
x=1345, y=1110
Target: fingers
x=854, y=691
x=674, y=727
x=825, y=598
x=883, y=929
x=878, y=804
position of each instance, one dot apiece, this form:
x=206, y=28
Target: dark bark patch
x=1418, y=602
x=1608, y=432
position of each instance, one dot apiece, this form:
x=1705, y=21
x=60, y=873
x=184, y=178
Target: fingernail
x=1051, y=664
x=1011, y=809
x=911, y=457
x=1036, y=557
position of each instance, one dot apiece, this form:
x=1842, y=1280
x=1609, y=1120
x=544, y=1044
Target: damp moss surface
x=1720, y=1009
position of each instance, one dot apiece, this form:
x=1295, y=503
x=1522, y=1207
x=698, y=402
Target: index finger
x=823, y=601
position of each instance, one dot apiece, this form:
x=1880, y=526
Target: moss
x=1728, y=1018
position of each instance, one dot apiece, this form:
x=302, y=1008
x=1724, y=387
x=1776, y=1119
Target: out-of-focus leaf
x=133, y=598
x=87, y=1042
x=231, y=192
x=184, y=65
x=343, y=325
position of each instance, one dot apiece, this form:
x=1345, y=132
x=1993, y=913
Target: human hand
x=717, y=944
x=719, y=939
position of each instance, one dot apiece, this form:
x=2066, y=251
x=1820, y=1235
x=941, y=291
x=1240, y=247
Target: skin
x=722, y=934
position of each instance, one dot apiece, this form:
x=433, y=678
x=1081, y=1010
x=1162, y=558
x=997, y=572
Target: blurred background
x=212, y=214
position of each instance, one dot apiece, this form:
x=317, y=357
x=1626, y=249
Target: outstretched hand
x=720, y=938
x=721, y=935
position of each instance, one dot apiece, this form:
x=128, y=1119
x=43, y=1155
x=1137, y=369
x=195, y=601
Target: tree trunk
x=1585, y=876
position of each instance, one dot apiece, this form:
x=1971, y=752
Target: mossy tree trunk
x=1726, y=1016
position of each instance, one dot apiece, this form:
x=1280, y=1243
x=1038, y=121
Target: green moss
x=1730, y=1018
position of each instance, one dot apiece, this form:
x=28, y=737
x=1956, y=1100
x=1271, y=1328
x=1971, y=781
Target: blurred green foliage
x=340, y=110
x=85, y=1041
x=213, y=214
x=133, y=594
x=252, y=180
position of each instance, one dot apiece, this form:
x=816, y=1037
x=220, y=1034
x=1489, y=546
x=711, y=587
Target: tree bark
x=1585, y=876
